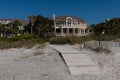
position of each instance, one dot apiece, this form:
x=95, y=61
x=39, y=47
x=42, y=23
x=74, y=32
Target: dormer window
x=69, y=21
x=78, y=22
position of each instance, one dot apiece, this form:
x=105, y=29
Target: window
x=69, y=21
x=78, y=22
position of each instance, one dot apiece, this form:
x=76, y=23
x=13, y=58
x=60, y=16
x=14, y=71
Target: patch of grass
x=23, y=56
x=23, y=36
x=58, y=40
x=41, y=46
x=80, y=39
x=39, y=52
x=106, y=37
x=29, y=43
x=100, y=50
x=39, y=49
x=69, y=40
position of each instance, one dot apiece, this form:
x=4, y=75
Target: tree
x=0, y=30
x=15, y=25
x=40, y=26
x=31, y=22
x=43, y=26
x=3, y=30
x=111, y=27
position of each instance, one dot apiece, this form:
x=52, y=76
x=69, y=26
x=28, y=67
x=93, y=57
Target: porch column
x=79, y=31
x=74, y=31
x=87, y=30
x=61, y=31
x=84, y=31
x=55, y=31
x=68, y=31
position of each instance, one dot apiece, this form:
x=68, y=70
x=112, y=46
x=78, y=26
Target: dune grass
x=69, y=40
x=19, y=41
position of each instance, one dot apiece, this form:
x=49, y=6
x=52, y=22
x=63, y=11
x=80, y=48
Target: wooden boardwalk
x=77, y=62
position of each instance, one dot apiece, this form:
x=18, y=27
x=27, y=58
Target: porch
x=70, y=32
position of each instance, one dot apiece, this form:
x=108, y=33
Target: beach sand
x=23, y=64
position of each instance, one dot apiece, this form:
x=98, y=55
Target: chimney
x=107, y=20
x=54, y=16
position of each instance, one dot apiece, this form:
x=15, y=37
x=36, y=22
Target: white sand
x=21, y=64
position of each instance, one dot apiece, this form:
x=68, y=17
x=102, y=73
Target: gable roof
x=22, y=21
x=63, y=18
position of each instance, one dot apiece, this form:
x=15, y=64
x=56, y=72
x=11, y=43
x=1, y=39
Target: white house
x=6, y=21
x=8, y=24
x=69, y=26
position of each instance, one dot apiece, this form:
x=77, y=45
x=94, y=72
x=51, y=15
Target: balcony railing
x=71, y=34
x=71, y=26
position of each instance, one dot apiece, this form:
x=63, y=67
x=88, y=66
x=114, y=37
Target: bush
x=69, y=40
x=101, y=50
x=58, y=40
x=19, y=41
x=106, y=37
x=24, y=36
x=3, y=38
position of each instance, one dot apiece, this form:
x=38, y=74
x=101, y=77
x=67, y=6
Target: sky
x=92, y=11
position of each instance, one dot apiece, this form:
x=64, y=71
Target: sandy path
x=77, y=62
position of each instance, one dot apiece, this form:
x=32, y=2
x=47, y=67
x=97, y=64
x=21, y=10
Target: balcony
x=71, y=26
x=70, y=34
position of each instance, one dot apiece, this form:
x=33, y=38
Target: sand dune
x=23, y=64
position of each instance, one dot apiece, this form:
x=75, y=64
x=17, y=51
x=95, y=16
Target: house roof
x=6, y=19
x=63, y=18
x=90, y=28
x=23, y=22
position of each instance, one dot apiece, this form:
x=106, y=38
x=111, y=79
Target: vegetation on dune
x=40, y=26
x=40, y=30
x=19, y=41
x=37, y=31
x=108, y=30
x=100, y=50
x=110, y=27
x=69, y=40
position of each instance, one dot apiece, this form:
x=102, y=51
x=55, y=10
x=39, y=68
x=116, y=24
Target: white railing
x=71, y=26
x=70, y=34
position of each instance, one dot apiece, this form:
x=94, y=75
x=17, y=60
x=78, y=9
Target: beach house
x=70, y=26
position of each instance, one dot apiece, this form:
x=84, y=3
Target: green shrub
x=69, y=40
x=24, y=36
x=3, y=38
x=39, y=41
x=106, y=37
x=100, y=50
x=58, y=40
x=19, y=42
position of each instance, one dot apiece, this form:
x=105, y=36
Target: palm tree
x=32, y=20
x=3, y=30
x=0, y=30
x=17, y=24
